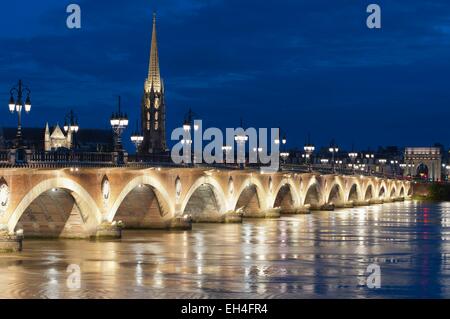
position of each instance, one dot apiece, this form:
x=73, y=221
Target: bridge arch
x=205, y=200
x=251, y=196
x=336, y=194
x=410, y=190
x=313, y=194
x=64, y=208
x=145, y=191
x=286, y=195
x=382, y=192
x=393, y=191
x=402, y=191
x=369, y=192
x=354, y=193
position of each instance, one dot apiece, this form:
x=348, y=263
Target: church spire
x=154, y=77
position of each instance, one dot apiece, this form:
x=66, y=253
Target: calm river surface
x=322, y=255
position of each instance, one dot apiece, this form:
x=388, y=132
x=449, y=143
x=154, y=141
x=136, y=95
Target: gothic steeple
x=154, y=76
x=153, y=105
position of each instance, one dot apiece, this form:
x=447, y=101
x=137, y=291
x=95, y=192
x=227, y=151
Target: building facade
x=153, y=108
x=56, y=139
x=423, y=162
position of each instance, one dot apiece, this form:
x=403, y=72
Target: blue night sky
x=306, y=66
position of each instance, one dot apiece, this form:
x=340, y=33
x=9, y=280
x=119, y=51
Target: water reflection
x=310, y=256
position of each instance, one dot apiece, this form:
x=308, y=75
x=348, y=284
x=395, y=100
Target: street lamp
x=333, y=149
x=188, y=121
x=284, y=156
x=16, y=105
x=394, y=164
x=309, y=150
x=71, y=125
x=119, y=122
x=226, y=149
x=240, y=140
x=137, y=138
x=382, y=162
x=353, y=156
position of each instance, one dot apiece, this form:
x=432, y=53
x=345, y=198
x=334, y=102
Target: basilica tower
x=153, y=107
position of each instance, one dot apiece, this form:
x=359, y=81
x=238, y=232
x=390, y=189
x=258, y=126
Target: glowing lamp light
x=309, y=148
x=241, y=138
x=12, y=104
x=333, y=149
x=28, y=104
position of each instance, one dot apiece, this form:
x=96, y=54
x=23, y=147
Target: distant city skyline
x=307, y=67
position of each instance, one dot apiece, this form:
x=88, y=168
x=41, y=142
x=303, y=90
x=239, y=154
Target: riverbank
x=432, y=192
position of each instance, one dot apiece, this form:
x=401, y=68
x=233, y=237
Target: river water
x=322, y=255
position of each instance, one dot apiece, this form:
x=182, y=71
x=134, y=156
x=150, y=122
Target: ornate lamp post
x=226, y=149
x=382, y=162
x=16, y=105
x=119, y=122
x=188, y=125
x=369, y=157
x=309, y=150
x=241, y=139
x=394, y=164
x=71, y=126
x=283, y=154
x=353, y=156
x=137, y=138
x=333, y=149
x=257, y=150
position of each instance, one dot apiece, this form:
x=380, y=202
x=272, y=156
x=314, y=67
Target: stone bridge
x=78, y=202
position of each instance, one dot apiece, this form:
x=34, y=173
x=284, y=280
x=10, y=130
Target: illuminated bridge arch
x=382, y=191
x=143, y=203
x=57, y=207
x=313, y=194
x=336, y=194
x=205, y=201
x=369, y=192
x=251, y=197
x=354, y=193
x=286, y=195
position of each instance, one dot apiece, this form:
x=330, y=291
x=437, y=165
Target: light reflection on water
x=323, y=255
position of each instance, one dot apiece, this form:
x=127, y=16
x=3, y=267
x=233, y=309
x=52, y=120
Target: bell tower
x=153, y=106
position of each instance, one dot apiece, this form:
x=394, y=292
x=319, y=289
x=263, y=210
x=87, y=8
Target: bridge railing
x=71, y=157
x=328, y=169
x=97, y=159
